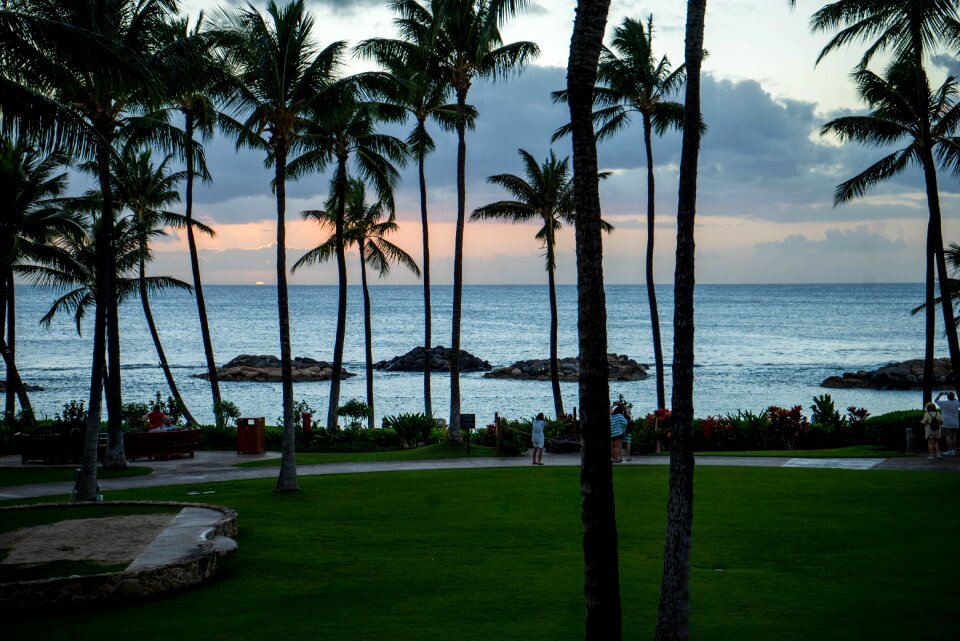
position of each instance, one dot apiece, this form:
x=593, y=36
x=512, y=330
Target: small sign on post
x=467, y=423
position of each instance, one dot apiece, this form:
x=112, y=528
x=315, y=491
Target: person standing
x=950, y=410
x=931, y=427
x=539, y=425
x=618, y=426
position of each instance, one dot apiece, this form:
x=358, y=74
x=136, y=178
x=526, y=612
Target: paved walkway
x=209, y=467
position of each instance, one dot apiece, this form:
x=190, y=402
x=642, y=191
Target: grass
x=11, y=476
x=33, y=572
x=443, y=450
x=778, y=553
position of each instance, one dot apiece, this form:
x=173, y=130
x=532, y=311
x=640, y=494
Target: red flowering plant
x=719, y=433
x=788, y=425
x=659, y=423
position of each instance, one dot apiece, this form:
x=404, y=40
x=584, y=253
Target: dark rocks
x=267, y=368
x=413, y=361
x=621, y=369
x=29, y=388
x=893, y=376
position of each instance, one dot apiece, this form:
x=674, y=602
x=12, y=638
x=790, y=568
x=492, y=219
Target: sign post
x=467, y=423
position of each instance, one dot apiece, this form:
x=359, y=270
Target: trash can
x=307, y=425
x=251, y=435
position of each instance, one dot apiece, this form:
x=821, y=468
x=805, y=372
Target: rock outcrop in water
x=893, y=376
x=413, y=361
x=29, y=388
x=622, y=368
x=267, y=368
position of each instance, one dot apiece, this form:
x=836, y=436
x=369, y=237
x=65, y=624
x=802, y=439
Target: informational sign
x=468, y=421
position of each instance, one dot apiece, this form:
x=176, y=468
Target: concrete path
x=209, y=467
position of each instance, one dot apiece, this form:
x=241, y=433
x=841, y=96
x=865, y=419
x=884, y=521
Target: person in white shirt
x=950, y=408
x=538, y=439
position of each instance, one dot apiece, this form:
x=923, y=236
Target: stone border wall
x=119, y=586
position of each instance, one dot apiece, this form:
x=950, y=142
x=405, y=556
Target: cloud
x=859, y=239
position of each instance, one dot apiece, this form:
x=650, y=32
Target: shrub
x=753, y=429
x=889, y=430
x=225, y=413
x=413, y=430
x=514, y=436
x=718, y=433
x=299, y=408
x=132, y=414
x=788, y=425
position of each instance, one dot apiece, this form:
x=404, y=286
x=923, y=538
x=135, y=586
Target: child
x=538, y=439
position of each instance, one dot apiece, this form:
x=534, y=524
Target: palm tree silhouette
x=545, y=195
x=363, y=226
x=31, y=217
x=464, y=36
x=281, y=76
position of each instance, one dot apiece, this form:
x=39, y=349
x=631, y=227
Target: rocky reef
x=622, y=368
x=893, y=376
x=267, y=368
x=413, y=361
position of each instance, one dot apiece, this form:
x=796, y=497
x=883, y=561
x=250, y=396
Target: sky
x=765, y=209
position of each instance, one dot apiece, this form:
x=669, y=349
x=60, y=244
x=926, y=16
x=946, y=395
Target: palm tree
x=145, y=189
x=30, y=218
x=345, y=128
x=601, y=589
x=280, y=78
x=416, y=87
x=895, y=115
x=545, y=195
x=197, y=81
x=910, y=30
x=363, y=226
x=632, y=80
x=464, y=36
x=673, y=612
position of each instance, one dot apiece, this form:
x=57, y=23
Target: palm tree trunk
x=601, y=590
x=195, y=268
x=554, y=366
x=14, y=382
x=114, y=457
x=673, y=615
x=145, y=302
x=651, y=290
x=341, y=297
x=930, y=316
x=367, y=334
x=454, y=358
x=427, y=326
x=7, y=415
x=13, y=390
x=287, y=481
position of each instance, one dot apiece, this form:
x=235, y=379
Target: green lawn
x=10, y=476
x=780, y=554
x=428, y=452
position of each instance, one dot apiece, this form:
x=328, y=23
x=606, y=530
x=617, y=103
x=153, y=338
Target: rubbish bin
x=251, y=435
x=307, y=426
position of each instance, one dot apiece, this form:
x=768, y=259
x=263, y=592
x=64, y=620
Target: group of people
x=158, y=421
x=941, y=418
x=620, y=436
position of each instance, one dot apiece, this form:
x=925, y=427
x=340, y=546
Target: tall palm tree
x=197, y=82
x=464, y=36
x=601, y=574
x=146, y=189
x=897, y=116
x=345, y=128
x=363, y=226
x=280, y=75
x=673, y=613
x=418, y=88
x=910, y=30
x=545, y=195
x=31, y=216
x=632, y=80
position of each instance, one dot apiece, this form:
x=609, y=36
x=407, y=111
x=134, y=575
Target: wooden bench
x=160, y=445
x=52, y=449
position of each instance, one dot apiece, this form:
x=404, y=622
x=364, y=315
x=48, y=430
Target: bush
x=225, y=413
x=413, y=430
x=514, y=436
x=889, y=430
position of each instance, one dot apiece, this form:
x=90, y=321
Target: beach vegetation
x=413, y=430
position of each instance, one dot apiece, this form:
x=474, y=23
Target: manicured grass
x=427, y=452
x=855, y=451
x=10, y=476
x=778, y=553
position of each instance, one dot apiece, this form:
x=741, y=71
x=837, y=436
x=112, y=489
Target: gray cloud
x=860, y=239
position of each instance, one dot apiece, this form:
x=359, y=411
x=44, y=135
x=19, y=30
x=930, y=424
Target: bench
x=160, y=445
x=52, y=449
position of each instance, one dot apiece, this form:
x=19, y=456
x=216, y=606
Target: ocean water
x=756, y=345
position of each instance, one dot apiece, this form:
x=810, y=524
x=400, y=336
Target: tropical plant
x=412, y=429
x=365, y=228
x=545, y=195
x=224, y=413
x=196, y=80
x=357, y=411
x=464, y=39
x=824, y=412
x=344, y=129
x=414, y=84
x=929, y=127
x=673, y=612
x=31, y=218
x=601, y=590
x=281, y=77
x=632, y=80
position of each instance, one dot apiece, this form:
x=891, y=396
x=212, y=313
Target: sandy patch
x=111, y=539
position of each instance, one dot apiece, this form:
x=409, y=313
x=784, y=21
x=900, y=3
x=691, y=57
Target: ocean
x=756, y=345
